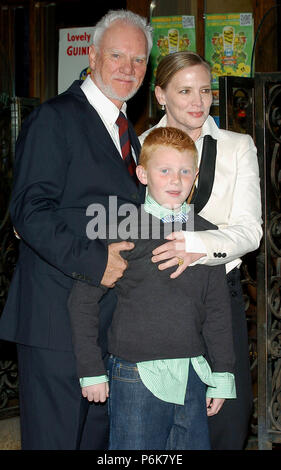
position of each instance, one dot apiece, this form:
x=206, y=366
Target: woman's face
x=187, y=98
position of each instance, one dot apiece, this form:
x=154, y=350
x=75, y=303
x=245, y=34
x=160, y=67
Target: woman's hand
x=174, y=252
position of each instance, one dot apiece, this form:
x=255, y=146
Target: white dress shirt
x=107, y=110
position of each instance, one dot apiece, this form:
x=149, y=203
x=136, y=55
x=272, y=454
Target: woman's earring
x=163, y=107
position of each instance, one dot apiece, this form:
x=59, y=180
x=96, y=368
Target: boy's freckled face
x=169, y=176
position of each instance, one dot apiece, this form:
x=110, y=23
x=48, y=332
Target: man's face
x=169, y=176
x=118, y=65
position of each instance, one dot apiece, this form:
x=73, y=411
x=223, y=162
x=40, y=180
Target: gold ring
x=180, y=261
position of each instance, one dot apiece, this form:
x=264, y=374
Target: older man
x=69, y=155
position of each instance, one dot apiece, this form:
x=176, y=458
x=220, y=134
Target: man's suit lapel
x=97, y=126
x=106, y=141
x=111, y=152
x=206, y=174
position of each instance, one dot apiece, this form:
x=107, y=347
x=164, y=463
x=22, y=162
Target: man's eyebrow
x=116, y=51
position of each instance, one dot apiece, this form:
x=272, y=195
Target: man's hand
x=214, y=405
x=116, y=265
x=96, y=393
x=173, y=251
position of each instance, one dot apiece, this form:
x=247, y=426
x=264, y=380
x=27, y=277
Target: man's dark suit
x=65, y=161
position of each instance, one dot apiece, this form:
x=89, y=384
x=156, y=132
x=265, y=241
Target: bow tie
x=179, y=217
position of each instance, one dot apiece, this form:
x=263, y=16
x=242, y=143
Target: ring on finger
x=180, y=261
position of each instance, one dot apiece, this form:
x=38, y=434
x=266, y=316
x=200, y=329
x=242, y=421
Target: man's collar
x=100, y=102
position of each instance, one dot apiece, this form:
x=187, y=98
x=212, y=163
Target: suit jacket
x=230, y=196
x=65, y=161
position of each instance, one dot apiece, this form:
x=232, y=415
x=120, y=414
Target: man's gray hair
x=127, y=17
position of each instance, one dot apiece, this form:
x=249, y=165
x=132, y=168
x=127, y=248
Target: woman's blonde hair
x=172, y=63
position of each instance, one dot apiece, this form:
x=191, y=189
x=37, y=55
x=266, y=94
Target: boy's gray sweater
x=156, y=317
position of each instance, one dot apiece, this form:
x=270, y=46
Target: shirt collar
x=152, y=207
x=209, y=127
x=106, y=109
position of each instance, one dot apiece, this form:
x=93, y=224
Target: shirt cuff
x=225, y=386
x=86, y=381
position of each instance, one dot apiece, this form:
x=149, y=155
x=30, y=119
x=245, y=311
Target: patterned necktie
x=179, y=217
x=122, y=123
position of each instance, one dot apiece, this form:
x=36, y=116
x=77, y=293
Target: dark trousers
x=53, y=413
x=230, y=427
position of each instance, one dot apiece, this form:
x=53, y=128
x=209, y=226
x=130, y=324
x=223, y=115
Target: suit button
x=223, y=255
x=219, y=255
x=215, y=255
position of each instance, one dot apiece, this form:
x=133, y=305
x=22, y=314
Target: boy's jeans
x=140, y=421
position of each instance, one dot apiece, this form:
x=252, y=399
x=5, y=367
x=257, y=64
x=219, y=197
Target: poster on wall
x=171, y=34
x=73, y=55
x=228, y=44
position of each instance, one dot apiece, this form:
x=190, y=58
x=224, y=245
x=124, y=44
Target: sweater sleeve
x=83, y=306
x=217, y=327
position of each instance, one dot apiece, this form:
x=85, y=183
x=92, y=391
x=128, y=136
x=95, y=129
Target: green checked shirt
x=167, y=379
